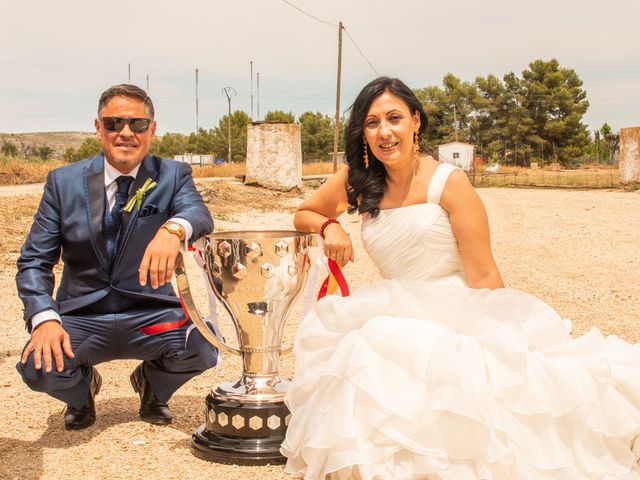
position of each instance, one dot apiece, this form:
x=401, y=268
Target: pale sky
x=56, y=57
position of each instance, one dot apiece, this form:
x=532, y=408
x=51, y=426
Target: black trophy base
x=241, y=433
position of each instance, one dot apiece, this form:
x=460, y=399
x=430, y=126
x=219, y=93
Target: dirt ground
x=577, y=250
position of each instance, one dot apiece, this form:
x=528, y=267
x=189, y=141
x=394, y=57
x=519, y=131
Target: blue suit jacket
x=68, y=224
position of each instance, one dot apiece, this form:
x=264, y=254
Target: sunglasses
x=115, y=124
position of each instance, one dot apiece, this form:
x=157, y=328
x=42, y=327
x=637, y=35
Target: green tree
x=451, y=111
x=489, y=131
x=611, y=141
x=279, y=116
x=220, y=143
x=90, y=147
x=536, y=117
x=201, y=143
x=515, y=122
x=556, y=102
x=168, y=145
x=316, y=135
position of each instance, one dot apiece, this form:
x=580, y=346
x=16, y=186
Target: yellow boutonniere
x=139, y=195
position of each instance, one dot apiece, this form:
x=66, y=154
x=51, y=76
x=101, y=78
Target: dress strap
x=438, y=181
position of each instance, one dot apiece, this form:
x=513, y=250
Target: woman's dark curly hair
x=367, y=185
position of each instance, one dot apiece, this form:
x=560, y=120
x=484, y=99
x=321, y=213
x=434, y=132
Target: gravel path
x=577, y=250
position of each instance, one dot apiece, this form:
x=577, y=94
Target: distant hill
x=58, y=141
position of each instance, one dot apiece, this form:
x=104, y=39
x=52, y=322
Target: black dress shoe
x=78, y=418
x=152, y=410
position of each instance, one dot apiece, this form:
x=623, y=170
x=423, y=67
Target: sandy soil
x=577, y=250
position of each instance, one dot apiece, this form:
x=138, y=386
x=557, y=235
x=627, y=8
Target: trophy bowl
x=256, y=276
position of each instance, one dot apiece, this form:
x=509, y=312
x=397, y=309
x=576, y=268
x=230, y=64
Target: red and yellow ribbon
x=334, y=281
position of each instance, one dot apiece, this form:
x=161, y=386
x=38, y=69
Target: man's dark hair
x=126, y=90
x=367, y=185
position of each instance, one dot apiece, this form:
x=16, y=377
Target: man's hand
x=159, y=259
x=47, y=338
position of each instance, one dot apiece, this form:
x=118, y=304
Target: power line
x=337, y=117
x=360, y=51
x=309, y=15
x=334, y=25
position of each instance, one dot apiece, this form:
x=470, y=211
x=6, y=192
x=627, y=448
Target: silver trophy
x=256, y=275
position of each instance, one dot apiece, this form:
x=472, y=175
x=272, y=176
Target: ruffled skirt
x=410, y=380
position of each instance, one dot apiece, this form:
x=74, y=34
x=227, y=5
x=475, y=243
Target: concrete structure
x=274, y=155
x=629, y=165
x=459, y=154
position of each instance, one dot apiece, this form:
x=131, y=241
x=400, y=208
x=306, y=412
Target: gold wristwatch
x=175, y=228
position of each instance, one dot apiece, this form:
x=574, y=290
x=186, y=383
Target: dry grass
x=601, y=176
x=238, y=169
x=223, y=170
x=18, y=171
x=317, y=168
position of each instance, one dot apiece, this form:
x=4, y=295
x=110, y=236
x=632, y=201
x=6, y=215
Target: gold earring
x=365, y=157
x=416, y=146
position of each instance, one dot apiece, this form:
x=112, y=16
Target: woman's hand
x=337, y=244
x=329, y=201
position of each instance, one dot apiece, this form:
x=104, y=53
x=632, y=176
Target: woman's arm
x=329, y=201
x=471, y=227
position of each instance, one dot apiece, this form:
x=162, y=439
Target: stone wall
x=629, y=165
x=274, y=155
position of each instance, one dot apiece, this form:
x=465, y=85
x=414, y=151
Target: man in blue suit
x=118, y=221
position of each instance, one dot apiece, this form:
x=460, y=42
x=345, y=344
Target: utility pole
x=129, y=71
x=337, y=118
x=251, y=66
x=197, y=124
x=229, y=92
x=258, y=86
x=147, y=84
x=455, y=121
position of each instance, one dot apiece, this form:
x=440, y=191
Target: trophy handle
x=192, y=310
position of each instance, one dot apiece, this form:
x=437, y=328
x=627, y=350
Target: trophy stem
x=254, y=389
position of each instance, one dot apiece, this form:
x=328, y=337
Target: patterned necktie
x=114, y=217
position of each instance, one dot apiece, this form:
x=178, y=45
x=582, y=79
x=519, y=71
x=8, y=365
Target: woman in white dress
x=437, y=371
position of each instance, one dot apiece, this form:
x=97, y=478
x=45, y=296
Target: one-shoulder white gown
x=419, y=376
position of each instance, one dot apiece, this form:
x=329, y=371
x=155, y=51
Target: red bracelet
x=326, y=223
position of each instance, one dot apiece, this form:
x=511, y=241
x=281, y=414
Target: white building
x=195, y=159
x=459, y=154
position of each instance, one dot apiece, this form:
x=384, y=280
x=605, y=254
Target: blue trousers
x=169, y=358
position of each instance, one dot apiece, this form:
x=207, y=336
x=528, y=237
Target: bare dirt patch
x=576, y=250
x=228, y=198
